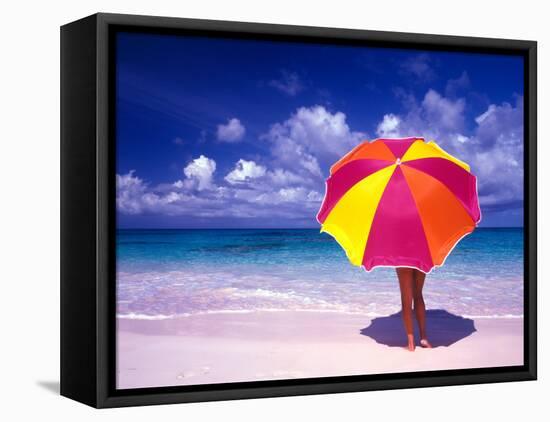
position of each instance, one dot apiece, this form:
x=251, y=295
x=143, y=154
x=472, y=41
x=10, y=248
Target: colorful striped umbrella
x=399, y=203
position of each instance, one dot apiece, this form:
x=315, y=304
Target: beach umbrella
x=399, y=203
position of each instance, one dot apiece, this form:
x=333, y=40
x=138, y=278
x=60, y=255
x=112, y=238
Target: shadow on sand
x=443, y=329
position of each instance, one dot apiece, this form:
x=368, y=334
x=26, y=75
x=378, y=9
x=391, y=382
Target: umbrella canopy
x=399, y=203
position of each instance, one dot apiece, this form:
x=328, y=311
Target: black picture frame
x=88, y=212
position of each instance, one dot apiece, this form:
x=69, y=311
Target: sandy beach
x=266, y=345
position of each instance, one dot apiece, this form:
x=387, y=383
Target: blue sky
x=241, y=133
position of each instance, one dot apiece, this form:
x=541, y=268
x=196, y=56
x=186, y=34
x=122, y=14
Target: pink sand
x=233, y=347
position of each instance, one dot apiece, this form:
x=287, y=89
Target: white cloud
x=289, y=83
x=493, y=148
x=484, y=116
x=310, y=137
x=455, y=86
x=289, y=184
x=435, y=117
x=134, y=196
x=298, y=195
x=200, y=172
x=446, y=114
x=245, y=171
x=462, y=139
x=388, y=127
x=498, y=154
x=291, y=178
x=281, y=177
x=129, y=188
x=233, y=131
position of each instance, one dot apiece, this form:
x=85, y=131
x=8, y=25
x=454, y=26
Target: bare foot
x=425, y=344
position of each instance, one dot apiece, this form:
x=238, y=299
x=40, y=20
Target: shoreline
x=371, y=315
x=262, y=345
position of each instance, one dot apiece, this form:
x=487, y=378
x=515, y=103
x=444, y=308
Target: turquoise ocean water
x=171, y=273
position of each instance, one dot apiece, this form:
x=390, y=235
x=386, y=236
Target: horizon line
x=269, y=228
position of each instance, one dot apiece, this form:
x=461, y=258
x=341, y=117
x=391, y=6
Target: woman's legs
x=419, y=306
x=406, y=282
